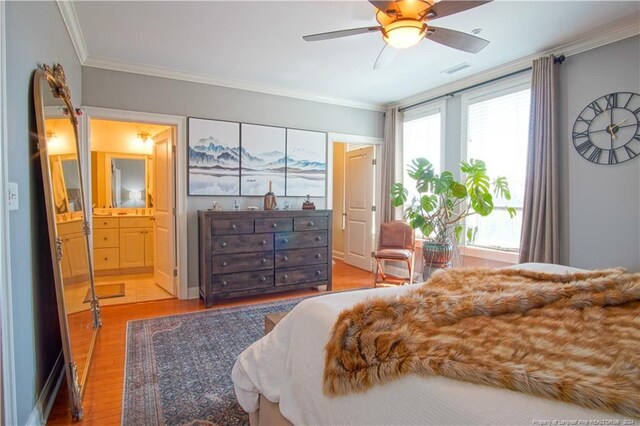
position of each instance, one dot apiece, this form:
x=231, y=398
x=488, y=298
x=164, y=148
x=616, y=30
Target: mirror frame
x=53, y=78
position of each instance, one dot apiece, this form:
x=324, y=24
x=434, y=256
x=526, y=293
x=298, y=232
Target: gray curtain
x=539, y=239
x=388, y=172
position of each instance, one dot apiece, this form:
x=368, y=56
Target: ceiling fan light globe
x=402, y=34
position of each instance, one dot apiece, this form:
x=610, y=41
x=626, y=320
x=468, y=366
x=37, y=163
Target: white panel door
x=358, y=207
x=164, y=259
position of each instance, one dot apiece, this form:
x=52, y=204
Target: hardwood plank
x=102, y=403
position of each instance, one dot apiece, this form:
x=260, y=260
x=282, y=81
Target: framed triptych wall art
x=263, y=159
x=306, y=163
x=214, y=157
x=240, y=159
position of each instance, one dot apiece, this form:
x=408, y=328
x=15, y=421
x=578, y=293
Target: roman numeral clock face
x=607, y=131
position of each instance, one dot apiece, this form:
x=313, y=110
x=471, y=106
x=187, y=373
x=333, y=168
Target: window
x=421, y=137
x=497, y=133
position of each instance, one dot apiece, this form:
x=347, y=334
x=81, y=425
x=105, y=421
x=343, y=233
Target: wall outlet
x=12, y=196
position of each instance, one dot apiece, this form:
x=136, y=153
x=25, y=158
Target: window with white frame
x=422, y=137
x=497, y=132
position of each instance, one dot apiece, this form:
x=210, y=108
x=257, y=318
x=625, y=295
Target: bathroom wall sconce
x=145, y=137
x=52, y=138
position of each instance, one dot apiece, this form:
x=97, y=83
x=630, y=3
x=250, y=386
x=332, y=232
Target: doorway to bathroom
x=133, y=181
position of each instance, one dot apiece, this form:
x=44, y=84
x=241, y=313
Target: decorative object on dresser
x=255, y=252
x=308, y=204
x=270, y=202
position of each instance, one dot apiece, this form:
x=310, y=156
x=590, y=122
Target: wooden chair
x=396, y=243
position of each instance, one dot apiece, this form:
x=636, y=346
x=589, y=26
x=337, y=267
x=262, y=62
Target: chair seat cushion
x=399, y=254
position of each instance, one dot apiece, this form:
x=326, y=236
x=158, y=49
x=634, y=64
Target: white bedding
x=286, y=367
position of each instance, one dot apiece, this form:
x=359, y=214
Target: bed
x=278, y=380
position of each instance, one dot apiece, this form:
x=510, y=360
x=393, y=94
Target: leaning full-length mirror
x=69, y=233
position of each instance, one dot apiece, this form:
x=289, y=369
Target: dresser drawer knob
x=224, y=263
x=233, y=226
x=223, y=244
x=285, y=241
x=310, y=223
x=284, y=277
x=263, y=279
x=224, y=283
x=274, y=225
x=263, y=260
x=285, y=258
x=318, y=238
x=318, y=272
x=318, y=256
x=263, y=242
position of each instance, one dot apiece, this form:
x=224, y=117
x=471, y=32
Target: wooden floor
x=102, y=403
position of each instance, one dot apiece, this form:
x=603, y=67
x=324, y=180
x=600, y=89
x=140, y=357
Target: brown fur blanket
x=572, y=337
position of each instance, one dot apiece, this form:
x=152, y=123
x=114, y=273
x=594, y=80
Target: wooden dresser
x=255, y=252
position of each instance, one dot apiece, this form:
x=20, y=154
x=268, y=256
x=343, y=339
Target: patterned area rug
x=178, y=368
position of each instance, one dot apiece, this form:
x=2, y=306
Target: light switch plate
x=12, y=196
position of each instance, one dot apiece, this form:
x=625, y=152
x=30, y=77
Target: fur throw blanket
x=572, y=337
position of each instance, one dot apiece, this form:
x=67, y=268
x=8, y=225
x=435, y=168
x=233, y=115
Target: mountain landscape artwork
x=306, y=163
x=214, y=157
x=263, y=154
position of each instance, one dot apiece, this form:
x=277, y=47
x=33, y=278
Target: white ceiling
x=259, y=44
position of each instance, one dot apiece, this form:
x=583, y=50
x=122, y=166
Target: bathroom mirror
x=69, y=233
x=121, y=180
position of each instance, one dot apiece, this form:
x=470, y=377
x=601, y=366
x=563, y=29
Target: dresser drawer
x=292, y=240
x=105, y=222
x=136, y=222
x=241, y=281
x=301, y=257
x=274, y=225
x=232, y=226
x=105, y=238
x=224, y=264
x=310, y=223
x=307, y=274
x=241, y=243
x=106, y=258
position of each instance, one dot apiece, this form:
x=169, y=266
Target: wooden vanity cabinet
x=256, y=252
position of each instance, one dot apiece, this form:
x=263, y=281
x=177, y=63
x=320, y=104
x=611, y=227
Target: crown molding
x=70, y=18
x=114, y=65
x=598, y=37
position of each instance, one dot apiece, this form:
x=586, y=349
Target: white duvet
x=286, y=367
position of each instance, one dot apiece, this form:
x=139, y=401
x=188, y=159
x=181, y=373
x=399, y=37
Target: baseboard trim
x=194, y=292
x=47, y=397
x=338, y=255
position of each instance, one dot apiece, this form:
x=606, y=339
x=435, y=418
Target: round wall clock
x=607, y=131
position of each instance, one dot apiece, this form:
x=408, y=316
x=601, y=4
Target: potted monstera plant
x=443, y=203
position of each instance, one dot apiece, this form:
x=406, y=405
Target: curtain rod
x=559, y=60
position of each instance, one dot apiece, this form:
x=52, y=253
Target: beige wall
x=339, y=150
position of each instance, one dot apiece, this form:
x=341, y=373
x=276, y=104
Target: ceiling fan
x=404, y=23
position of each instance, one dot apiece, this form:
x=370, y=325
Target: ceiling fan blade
x=386, y=57
x=341, y=33
x=389, y=8
x=446, y=8
x=456, y=39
